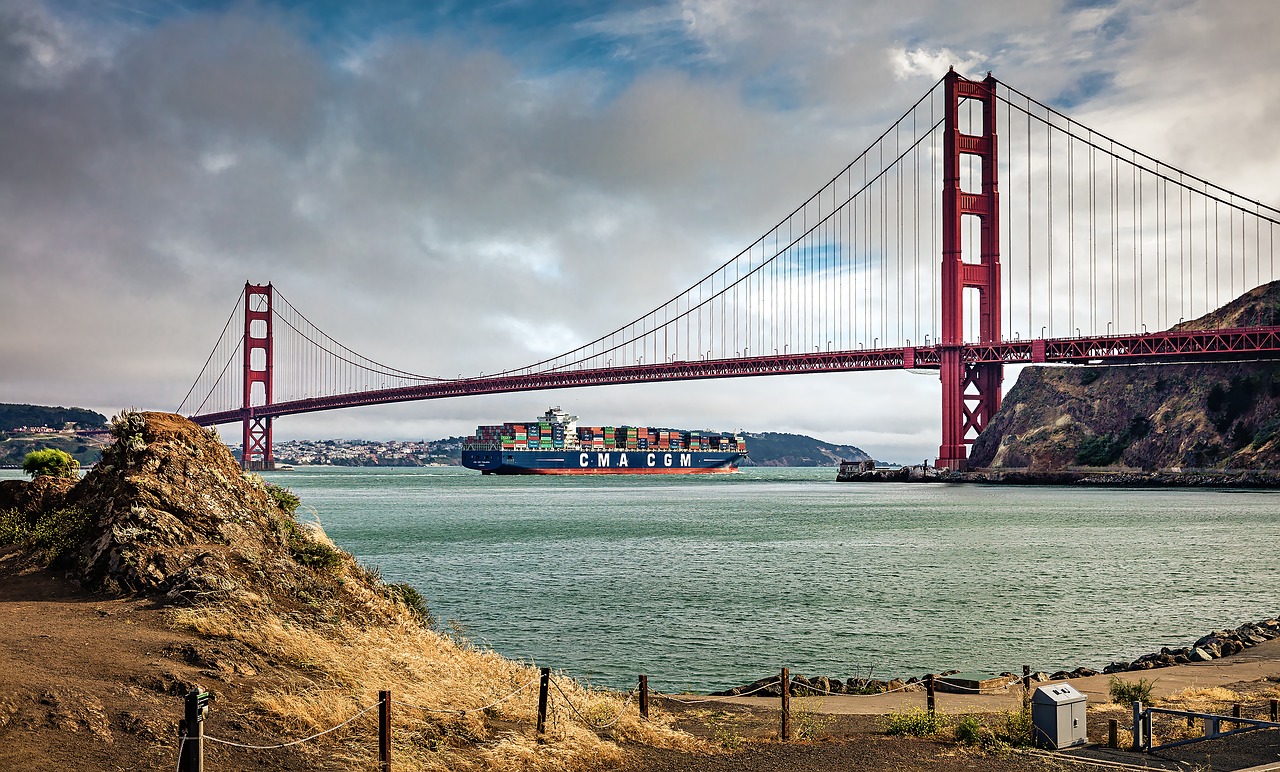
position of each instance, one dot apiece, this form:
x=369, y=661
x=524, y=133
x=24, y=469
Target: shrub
x=51, y=462
x=284, y=498
x=127, y=429
x=968, y=730
x=916, y=722
x=54, y=535
x=412, y=599
x=1017, y=727
x=1129, y=692
x=1100, y=450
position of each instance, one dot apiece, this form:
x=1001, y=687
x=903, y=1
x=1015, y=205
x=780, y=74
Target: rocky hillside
x=291, y=633
x=1217, y=415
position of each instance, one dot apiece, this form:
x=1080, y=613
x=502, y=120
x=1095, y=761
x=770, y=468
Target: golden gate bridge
x=983, y=228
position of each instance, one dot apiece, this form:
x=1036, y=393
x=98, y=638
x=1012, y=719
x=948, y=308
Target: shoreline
x=1214, y=646
x=1217, y=478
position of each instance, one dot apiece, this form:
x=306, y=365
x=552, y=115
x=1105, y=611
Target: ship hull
x=602, y=461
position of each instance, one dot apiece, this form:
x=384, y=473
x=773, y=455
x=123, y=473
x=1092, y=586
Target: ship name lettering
x=666, y=459
x=686, y=459
x=602, y=459
x=623, y=460
x=651, y=459
x=582, y=460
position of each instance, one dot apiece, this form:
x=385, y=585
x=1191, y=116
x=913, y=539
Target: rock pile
x=1220, y=643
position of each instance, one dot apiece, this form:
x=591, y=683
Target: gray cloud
x=433, y=203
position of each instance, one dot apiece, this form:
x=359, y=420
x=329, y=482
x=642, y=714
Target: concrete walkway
x=1252, y=664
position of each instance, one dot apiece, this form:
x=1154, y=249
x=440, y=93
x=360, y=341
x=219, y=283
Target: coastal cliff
x=1190, y=416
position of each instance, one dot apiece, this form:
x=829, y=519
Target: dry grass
x=333, y=672
x=1200, y=696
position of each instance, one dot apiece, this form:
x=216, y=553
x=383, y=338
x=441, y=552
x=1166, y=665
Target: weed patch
x=1128, y=692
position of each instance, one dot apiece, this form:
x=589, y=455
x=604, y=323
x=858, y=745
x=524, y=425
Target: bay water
x=710, y=581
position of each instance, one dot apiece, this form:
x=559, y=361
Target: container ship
x=555, y=444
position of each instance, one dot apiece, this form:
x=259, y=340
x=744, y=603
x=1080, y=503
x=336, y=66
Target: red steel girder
x=1251, y=343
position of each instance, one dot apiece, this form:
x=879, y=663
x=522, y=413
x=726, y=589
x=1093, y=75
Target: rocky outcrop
x=169, y=514
x=29, y=498
x=1150, y=417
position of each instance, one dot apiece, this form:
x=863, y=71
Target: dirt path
x=89, y=682
x=1258, y=663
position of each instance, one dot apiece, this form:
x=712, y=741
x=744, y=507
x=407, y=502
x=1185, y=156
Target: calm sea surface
x=705, y=582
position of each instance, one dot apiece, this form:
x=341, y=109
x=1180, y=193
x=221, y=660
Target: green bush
x=53, y=535
x=1101, y=450
x=1129, y=692
x=968, y=730
x=1017, y=727
x=51, y=462
x=916, y=722
x=284, y=498
x=412, y=599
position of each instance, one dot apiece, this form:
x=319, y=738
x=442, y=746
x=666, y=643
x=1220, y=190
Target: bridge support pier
x=255, y=447
x=970, y=393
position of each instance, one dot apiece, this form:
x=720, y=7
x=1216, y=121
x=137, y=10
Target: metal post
x=644, y=697
x=384, y=729
x=1137, y=726
x=543, y=692
x=786, y=704
x=930, y=700
x=196, y=706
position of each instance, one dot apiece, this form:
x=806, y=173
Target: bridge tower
x=970, y=392
x=258, y=364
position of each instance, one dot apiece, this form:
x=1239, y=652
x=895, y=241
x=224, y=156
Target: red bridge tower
x=258, y=364
x=970, y=393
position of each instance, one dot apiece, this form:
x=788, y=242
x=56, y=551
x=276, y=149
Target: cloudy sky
x=434, y=183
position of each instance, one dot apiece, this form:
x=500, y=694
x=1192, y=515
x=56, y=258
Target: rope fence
x=464, y=711
x=220, y=741
x=192, y=736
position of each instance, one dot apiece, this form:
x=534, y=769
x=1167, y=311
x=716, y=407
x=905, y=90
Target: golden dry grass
x=1201, y=695
x=437, y=686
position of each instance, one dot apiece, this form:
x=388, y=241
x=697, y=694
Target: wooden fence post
x=930, y=701
x=1275, y=710
x=195, y=706
x=543, y=692
x=1113, y=733
x=384, y=729
x=1026, y=678
x=786, y=704
x=644, y=697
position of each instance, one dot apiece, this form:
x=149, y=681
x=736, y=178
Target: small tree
x=51, y=462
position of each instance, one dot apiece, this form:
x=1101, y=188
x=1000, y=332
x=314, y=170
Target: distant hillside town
x=83, y=433
x=766, y=449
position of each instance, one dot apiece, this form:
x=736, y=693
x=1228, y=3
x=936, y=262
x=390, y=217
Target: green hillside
x=67, y=423
x=778, y=449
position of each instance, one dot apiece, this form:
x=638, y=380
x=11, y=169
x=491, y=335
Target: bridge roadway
x=1180, y=346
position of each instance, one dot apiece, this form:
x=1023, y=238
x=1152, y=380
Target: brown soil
x=93, y=682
